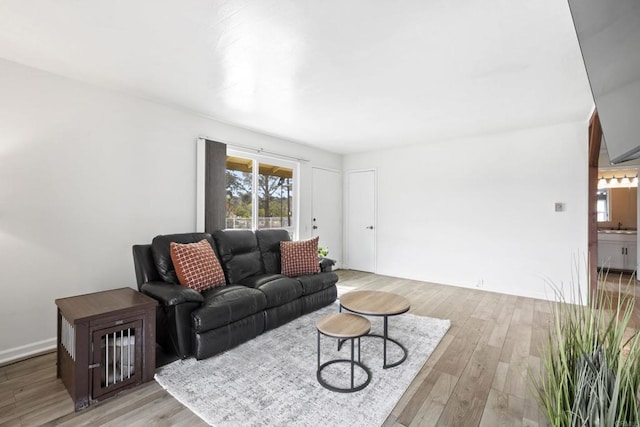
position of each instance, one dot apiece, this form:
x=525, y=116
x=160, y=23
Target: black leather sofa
x=255, y=299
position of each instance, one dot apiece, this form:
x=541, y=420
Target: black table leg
x=384, y=346
x=353, y=364
x=385, y=338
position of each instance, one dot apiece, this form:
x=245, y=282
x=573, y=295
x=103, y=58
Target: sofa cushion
x=299, y=258
x=196, y=265
x=317, y=300
x=161, y=251
x=239, y=253
x=313, y=283
x=277, y=288
x=226, y=304
x=269, y=244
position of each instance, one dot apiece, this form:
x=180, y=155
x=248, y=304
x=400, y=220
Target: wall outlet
x=480, y=284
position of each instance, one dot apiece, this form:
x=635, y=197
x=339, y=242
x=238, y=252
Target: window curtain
x=215, y=186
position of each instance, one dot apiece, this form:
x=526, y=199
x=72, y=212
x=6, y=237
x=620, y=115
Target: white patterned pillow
x=299, y=258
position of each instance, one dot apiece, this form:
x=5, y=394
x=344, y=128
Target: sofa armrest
x=326, y=264
x=169, y=294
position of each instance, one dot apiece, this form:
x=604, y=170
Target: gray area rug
x=271, y=380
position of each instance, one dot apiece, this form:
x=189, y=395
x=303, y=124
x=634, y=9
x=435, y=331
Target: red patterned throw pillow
x=196, y=265
x=299, y=258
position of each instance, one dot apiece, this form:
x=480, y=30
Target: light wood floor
x=476, y=376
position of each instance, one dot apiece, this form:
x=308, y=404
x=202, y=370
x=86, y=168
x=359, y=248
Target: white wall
x=482, y=209
x=85, y=173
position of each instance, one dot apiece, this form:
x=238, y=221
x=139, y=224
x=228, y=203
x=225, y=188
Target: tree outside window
x=274, y=193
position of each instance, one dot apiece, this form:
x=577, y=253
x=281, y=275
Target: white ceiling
x=345, y=75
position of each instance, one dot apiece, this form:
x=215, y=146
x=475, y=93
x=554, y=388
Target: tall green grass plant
x=590, y=374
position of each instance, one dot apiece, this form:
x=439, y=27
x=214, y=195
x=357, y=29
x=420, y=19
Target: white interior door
x=327, y=211
x=361, y=218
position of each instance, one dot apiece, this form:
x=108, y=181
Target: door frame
x=347, y=180
x=595, y=139
x=340, y=173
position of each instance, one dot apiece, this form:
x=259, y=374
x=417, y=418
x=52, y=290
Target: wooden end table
x=378, y=303
x=343, y=326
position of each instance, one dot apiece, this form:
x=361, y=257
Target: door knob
x=369, y=227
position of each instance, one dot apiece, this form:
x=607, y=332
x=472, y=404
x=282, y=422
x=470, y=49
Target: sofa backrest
x=239, y=254
x=144, y=265
x=269, y=244
x=161, y=251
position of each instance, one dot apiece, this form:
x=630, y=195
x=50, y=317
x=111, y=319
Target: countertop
x=604, y=231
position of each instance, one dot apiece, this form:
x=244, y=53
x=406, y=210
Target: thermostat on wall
x=560, y=207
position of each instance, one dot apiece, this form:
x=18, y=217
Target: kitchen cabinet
x=631, y=261
x=617, y=250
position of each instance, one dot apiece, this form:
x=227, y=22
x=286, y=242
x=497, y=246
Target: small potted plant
x=326, y=264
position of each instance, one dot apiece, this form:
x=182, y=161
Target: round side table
x=378, y=303
x=343, y=326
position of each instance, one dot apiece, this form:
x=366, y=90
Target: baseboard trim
x=17, y=354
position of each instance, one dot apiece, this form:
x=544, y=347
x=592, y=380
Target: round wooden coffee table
x=378, y=303
x=343, y=326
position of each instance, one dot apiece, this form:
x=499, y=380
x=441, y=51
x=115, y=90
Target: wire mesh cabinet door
x=117, y=358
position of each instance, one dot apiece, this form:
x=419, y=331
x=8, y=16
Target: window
x=239, y=203
x=260, y=200
x=602, y=205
